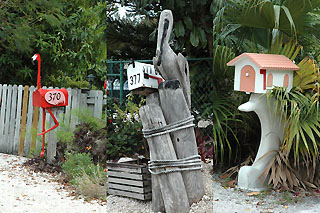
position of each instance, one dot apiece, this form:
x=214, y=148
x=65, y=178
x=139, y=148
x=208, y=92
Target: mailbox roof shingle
x=267, y=61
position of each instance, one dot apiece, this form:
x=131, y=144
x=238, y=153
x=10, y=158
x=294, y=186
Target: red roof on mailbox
x=267, y=61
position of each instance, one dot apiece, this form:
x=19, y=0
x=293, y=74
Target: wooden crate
x=129, y=179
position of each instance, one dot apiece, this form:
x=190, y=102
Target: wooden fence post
x=175, y=108
x=171, y=184
x=35, y=121
x=2, y=114
x=23, y=120
x=18, y=121
x=157, y=199
x=5, y=142
x=13, y=124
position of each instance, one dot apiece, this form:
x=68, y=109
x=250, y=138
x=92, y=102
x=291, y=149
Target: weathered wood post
x=175, y=110
x=170, y=65
x=157, y=200
x=171, y=184
x=174, y=161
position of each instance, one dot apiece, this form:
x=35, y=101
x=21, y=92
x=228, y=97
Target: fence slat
x=2, y=115
x=18, y=119
x=35, y=121
x=23, y=120
x=1, y=108
x=74, y=106
x=68, y=108
x=83, y=101
x=12, y=122
x=5, y=142
x=52, y=139
x=98, y=104
x=39, y=138
x=27, y=141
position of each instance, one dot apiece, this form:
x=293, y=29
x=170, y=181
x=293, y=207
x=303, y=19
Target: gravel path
x=22, y=190
x=117, y=204
x=230, y=200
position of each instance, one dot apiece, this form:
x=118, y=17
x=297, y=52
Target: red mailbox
x=46, y=99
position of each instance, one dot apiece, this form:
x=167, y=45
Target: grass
x=93, y=186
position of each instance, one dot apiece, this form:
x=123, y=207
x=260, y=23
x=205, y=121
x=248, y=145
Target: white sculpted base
x=271, y=136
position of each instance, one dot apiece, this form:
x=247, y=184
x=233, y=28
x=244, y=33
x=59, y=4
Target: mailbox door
x=47, y=98
x=247, y=79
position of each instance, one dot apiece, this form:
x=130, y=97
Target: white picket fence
x=20, y=121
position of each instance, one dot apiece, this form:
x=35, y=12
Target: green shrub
x=94, y=185
x=124, y=131
x=76, y=163
x=88, y=178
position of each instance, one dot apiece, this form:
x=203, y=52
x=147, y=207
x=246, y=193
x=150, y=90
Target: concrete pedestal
x=271, y=137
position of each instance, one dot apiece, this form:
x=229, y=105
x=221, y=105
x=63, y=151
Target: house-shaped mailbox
x=257, y=73
x=143, y=79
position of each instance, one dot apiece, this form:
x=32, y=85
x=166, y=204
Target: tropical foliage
x=270, y=23
x=69, y=36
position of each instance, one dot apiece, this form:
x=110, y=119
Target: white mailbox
x=142, y=78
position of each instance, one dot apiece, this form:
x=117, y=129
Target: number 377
x=135, y=79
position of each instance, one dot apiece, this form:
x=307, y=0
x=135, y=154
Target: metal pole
x=121, y=83
x=111, y=88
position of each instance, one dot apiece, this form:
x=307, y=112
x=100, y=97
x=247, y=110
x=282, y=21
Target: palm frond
x=301, y=116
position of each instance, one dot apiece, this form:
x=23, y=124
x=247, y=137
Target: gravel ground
x=231, y=200
x=117, y=204
x=22, y=190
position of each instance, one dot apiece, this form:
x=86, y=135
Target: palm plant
x=263, y=26
x=299, y=110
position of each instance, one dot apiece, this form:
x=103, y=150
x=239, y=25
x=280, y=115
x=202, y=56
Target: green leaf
x=276, y=9
x=188, y=22
x=203, y=38
x=288, y=14
x=194, y=38
x=179, y=29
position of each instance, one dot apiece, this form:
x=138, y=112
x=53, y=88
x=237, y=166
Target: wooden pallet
x=129, y=179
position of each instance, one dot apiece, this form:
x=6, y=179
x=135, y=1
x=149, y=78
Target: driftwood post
x=174, y=161
x=161, y=148
x=175, y=109
x=157, y=200
x=170, y=65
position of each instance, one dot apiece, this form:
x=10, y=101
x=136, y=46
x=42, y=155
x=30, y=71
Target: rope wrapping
x=175, y=126
x=184, y=164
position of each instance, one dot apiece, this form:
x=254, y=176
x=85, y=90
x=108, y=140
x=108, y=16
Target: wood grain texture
x=175, y=109
x=23, y=120
x=171, y=184
x=75, y=106
x=157, y=200
x=166, y=62
x=27, y=141
x=2, y=113
x=12, y=122
x=130, y=194
x=5, y=141
x=18, y=120
x=35, y=121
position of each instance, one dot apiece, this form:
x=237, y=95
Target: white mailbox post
x=142, y=78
